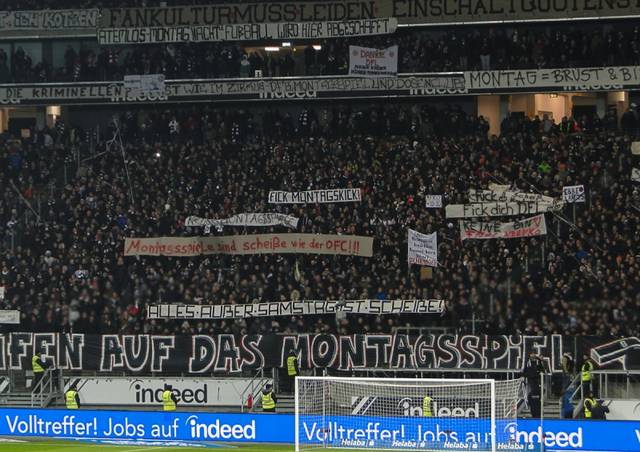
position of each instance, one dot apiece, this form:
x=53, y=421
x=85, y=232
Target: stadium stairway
x=16, y=399
x=286, y=403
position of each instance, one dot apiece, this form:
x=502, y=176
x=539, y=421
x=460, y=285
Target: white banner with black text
x=247, y=32
x=573, y=193
x=506, y=196
x=501, y=209
x=294, y=307
x=245, y=219
x=422, y=249
x=315, y=196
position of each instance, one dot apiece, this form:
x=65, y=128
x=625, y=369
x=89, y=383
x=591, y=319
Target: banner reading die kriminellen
x=422, y=249
x=370, y=62
x=346, y=245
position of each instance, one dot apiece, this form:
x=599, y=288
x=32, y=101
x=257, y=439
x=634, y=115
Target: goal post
x=405, y=413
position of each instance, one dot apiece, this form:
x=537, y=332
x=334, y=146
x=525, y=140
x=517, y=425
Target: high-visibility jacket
x=291, y=366
x=426, y=407
x=35, y=365
x=70, y=399
x=167, y=401
x=588, y=407
x=585, y=371
x=267, y=401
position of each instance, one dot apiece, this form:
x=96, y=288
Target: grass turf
x=53, y=445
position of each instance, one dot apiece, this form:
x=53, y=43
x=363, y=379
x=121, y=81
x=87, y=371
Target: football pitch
x=53, y=445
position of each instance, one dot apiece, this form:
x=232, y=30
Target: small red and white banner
x=369, y=62
x=422, y=249
x=529, y=227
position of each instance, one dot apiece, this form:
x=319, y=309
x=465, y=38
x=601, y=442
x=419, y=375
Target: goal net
x=403, y=413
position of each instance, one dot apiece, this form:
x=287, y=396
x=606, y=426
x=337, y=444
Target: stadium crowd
x=68, y=273
x=431, y=50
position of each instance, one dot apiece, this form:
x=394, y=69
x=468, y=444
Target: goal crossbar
x=403, y=413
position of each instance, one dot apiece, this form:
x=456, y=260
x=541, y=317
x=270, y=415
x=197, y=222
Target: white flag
x=635, y=174
x=422, y=249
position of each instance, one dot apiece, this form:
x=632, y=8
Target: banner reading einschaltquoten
x=315, y=196
x=369, y=62
x=345, y=245
x=295, y=307
x=529, y=227
x=247, y=32
x=246, y=219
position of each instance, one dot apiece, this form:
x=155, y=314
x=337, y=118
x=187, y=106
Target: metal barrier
x=48, y=388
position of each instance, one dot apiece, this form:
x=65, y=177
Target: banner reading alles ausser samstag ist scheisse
x=346, y=245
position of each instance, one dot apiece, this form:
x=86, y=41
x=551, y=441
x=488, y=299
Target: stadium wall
x=623, y=436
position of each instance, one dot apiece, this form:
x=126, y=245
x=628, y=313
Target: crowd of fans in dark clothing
x=67, y=272
x=431, y=50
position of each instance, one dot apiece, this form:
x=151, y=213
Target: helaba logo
x=218, y=430
x=551, y=439
x=409, y=408
x=153, y=394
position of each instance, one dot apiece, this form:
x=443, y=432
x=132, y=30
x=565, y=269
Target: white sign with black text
x=295, y=307
x=422, y=249
x=245, y=219
x=9, y=317
x=573, y=193
x=315, y=196
x=635, y=174
x=433, y=201
x=370, y=62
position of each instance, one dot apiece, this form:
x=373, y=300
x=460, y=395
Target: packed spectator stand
x=67, y=272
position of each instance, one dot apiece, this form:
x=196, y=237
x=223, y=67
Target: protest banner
x=246, y=219
x=315, y=196
x=573, y=193
x=346, y=245
x=433, y=201
x=635, y=174
x=529, y=227
x=410, y=12
x=150, y=84
x=294, y=307
x=559, y=79
x=506, y=196
x=370, y=62
x=422, y=249
x=49, y=20
x=635, y=148
x=9, y=317
x=246, y=32
x=500, y=209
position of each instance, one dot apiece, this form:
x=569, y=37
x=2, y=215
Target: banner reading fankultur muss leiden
x=370, y=62
x=529, y=227
x=345, y=245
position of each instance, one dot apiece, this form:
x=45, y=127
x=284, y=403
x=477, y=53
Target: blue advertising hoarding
x=623, y=436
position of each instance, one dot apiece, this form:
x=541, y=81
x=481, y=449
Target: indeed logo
x=439, y=411
x=551, y=439
x=218, y=430
x=154, y=394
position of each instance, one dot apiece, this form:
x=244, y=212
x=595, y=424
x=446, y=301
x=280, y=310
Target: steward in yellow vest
x=426, y=406
x=169, y=401
x=268, y=399
x=589, y=404
x=292, y=364
x=71, y=399
x=38, y=367
x=585, y=374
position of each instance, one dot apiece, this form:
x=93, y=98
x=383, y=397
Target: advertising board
x=575, y=435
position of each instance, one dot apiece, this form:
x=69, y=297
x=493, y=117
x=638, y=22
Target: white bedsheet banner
x=245, y=219
x=422, y=249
